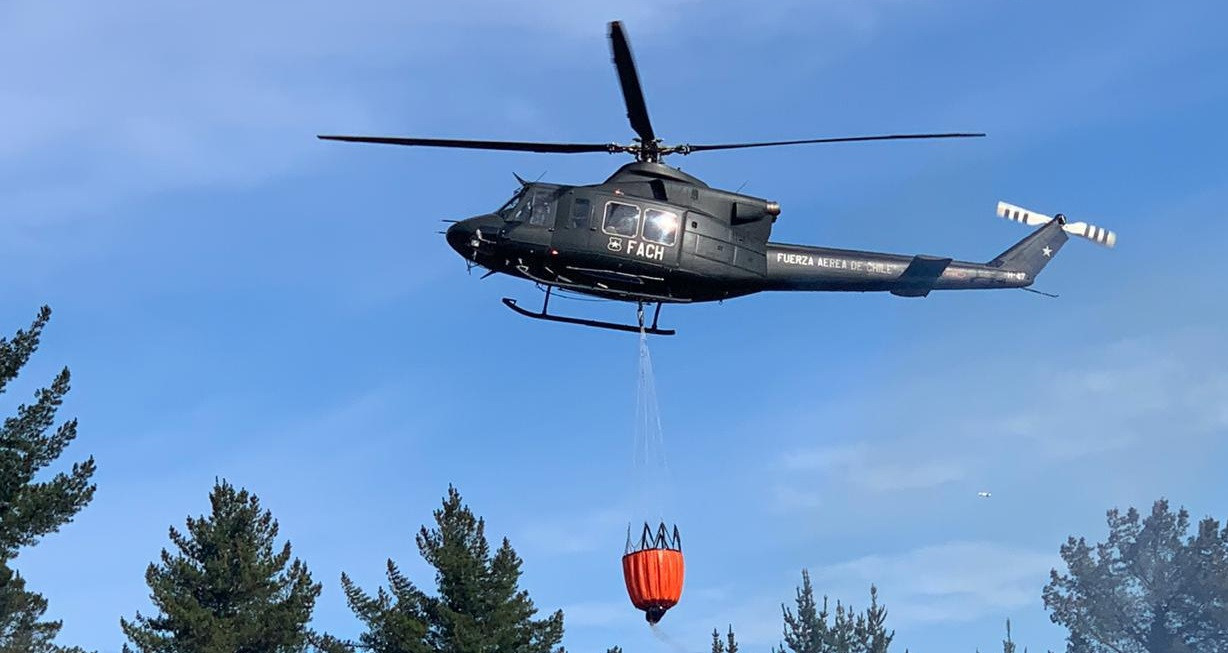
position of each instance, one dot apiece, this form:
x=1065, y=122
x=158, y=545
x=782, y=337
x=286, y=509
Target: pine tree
x=20, y=611
x=30, y=509
x=808, y=631
x=1147, y=588
x=227, y=589
x=871, y=629
x=729, y=645
x=843, y=640
x=478, y=607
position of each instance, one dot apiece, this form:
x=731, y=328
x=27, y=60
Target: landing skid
x=545, y=315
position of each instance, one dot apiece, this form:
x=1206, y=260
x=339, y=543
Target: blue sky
x=238, y=299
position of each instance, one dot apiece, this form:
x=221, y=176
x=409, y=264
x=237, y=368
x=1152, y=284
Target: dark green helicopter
x=652, y=234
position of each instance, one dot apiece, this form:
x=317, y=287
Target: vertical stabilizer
x=1033, y=253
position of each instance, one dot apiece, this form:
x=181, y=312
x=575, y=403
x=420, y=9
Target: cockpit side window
x=581, y=211
x=543, y=210
x=621, y=219
x=536, y=208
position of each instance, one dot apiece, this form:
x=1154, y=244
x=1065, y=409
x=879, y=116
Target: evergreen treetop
x=227, y=587
x=728, y=645
x=1148, y=588
x=809, y=631
x=31, y=508
x=478, y=607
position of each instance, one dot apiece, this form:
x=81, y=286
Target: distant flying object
x=652, y=234
x=984, y=495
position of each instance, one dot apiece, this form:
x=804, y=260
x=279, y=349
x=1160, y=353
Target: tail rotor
x=1098, y=235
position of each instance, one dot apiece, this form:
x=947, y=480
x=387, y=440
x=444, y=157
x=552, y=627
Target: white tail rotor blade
x=1020, y=214
x=1098, y=235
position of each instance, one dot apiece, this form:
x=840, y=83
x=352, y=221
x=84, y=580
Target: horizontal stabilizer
x=1097, y=235
x=919, y=277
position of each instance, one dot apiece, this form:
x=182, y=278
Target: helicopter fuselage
x=653, y=234
x=648, y=233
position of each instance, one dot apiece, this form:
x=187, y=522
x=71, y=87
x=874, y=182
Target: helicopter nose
x=459, y=236
x=465, y=236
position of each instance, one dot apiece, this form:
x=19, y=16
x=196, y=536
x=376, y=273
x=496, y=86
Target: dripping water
x=665, y=638
x=651, y=470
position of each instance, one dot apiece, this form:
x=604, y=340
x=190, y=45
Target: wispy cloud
x=1098, y=75
x=574, y=534
x=347, y=430
x=1123, y=393
x=950, y=582
x=128, y=98
x=1106, y=399
x=117, y=99
x=788, y=497
x=595, y=613
x=866, y=468
x=125, y=99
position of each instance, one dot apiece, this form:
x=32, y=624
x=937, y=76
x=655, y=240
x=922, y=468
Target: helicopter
x=653, y=234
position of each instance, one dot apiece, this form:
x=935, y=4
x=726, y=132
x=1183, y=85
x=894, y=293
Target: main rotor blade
x=633, y=95
x=518, y=146
x=686, y=149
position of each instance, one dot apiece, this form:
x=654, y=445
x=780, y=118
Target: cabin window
x=661, y=227
x=581, y=210
x=621, y=219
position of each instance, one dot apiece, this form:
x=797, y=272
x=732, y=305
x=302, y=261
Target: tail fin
x=1031, y=254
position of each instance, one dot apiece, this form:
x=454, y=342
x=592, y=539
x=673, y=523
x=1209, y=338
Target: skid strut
x=639, y=313
x=545, y=315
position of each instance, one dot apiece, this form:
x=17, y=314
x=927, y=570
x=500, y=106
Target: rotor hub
x=650, y=151
x=647, y=151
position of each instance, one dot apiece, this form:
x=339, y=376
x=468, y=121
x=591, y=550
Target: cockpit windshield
x=505, y=211
x=533, y=204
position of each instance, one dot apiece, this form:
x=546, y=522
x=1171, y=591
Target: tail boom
x=801, y=267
